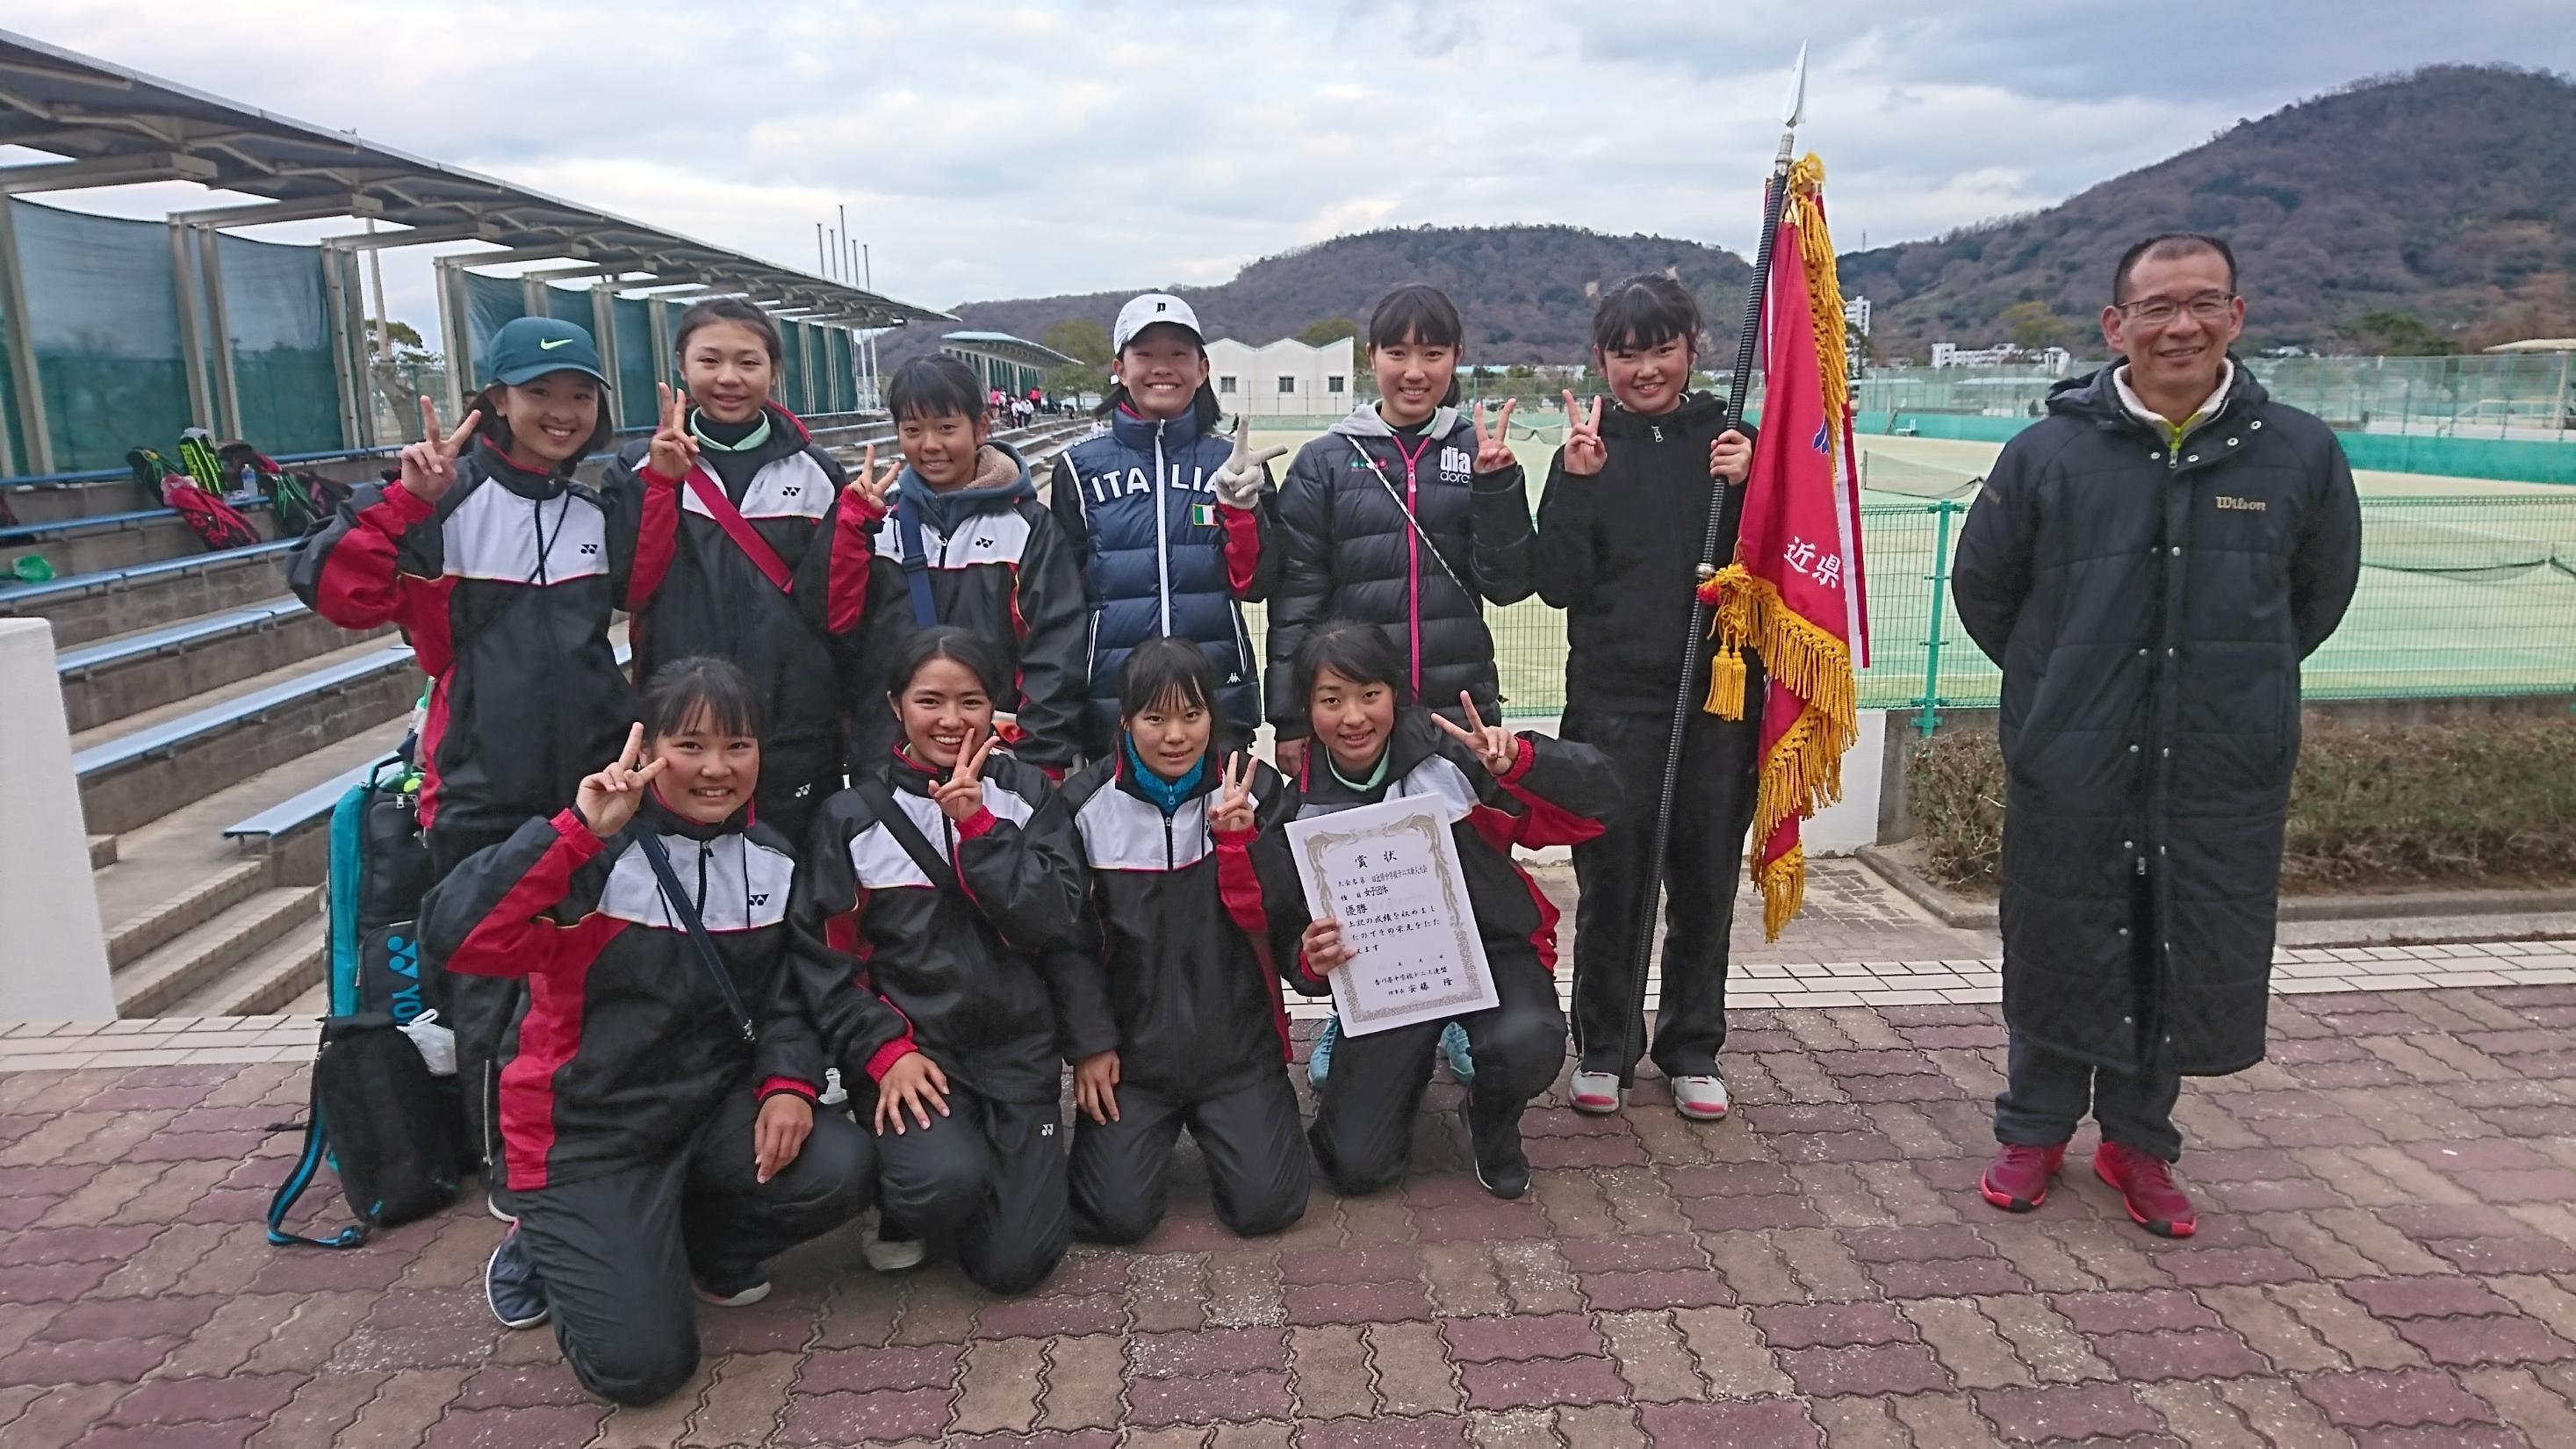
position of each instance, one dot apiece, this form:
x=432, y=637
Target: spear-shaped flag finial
x=1793, y=107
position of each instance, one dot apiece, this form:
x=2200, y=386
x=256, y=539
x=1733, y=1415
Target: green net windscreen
x=104, y=318
x=281, y=340
x=635, y=365
x=1909, y=478
x=14, y=459
x=489, y=302
x=571, y=304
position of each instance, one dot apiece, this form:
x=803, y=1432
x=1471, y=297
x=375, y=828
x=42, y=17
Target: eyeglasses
x=2156, y=311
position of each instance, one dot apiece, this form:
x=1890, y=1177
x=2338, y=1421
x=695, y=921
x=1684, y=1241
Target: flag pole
x=1748, y=341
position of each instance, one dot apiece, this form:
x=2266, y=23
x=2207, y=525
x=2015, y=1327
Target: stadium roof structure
x=2537, y=344
x=1008, y=348
x=115, y=126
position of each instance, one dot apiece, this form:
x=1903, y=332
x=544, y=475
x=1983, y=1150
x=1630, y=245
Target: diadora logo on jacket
x=1455, y=465
x=1119, y=483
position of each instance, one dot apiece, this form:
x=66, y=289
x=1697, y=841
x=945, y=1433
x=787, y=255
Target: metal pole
x=32, y=450
x=219, y=332
x=1748, y=339
x=192, y=327
x=348, y=369
x=819, y=263
x=1930, y=718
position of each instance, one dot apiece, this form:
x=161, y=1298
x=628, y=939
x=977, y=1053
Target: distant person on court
x=730, y=509
x=1497, y=791
x=2149, y=563
x=1177, y=1020
x=1409, y=515
x=1174, y=523
x=956, y=535
x=1620, y=529
x=502, y=572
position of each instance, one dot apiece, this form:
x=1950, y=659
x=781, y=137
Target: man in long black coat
x=2149, y=563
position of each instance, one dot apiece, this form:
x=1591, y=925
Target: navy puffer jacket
x=1160, y=555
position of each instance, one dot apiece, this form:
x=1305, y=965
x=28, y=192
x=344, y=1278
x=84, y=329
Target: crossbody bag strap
x=711, y=493
x=680, y=906
x=882, y=804
x=915, y=560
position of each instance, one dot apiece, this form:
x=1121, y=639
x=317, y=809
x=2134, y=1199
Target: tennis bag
x=217, y=523
x=381, y=1121
x=379, y=872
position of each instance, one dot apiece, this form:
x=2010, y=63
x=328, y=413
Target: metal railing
x=2471, y=595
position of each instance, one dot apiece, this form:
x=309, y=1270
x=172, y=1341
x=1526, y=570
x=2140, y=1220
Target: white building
x=1285, y=377
x=1856, y=314
x=2056, y=359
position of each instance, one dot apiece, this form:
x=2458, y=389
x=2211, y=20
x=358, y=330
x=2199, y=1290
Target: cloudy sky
x=1015, y=149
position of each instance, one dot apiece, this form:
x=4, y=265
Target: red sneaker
x=2017, y=1180
x=2146, y=1184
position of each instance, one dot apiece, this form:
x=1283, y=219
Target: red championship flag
x=1794, y=592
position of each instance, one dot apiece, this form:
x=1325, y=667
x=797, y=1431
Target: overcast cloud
x=1011, y=150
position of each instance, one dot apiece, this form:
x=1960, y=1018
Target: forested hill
x=2446, y=198
x=1525, y=291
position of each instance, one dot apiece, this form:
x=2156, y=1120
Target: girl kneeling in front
x=947, y=884
x=1178, y=1019
x=1372, y=742
x=656, y=1100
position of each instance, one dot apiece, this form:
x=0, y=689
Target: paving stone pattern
x=2387, y=1259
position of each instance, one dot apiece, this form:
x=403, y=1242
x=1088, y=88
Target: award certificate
x=1390, y=874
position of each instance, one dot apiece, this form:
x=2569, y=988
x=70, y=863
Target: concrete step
x=154, y=599
x=102, y=851
x=158, y=981
x=177, y=910
x=314, y=1001
x=290, y=968
x=142, y=788
x=121, y=686
x=87, y=552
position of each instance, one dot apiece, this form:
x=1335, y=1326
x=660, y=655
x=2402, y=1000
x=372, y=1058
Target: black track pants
x=987, y=1180
x=478, y=1008
x=2047, y=1093
x=615, y=1253
x=1248, y=1131
x=1363, y=1132
x=1712, y=810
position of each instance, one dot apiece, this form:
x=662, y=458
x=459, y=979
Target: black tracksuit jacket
x=1619, y=552
x=1184, y=982
x=504, y=589
x=1351, y=554
x=1557, y=793
x=627, y=1042
x=693, y=591
x=967, y=968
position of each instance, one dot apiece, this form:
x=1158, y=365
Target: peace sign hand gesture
x=1238, y=483
x=429, y=466
x=609, y=799
x=1584, y=451
x=1232, y=814
x=960, y=797
x=1494, y=450
x=871, y=490
x=1495, y=748
x=674, y=453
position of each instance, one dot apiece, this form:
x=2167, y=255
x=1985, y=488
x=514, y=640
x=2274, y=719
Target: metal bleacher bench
x=62, y=528
x=168, y=735
x=78, y=585
x=309, y=807
x=178, y=638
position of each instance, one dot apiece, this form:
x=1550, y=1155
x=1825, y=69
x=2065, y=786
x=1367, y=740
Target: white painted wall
x=53, y=956
x=1852, y=822
x=1285, y=377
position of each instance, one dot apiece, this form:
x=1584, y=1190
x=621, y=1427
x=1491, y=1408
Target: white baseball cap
x=1147, y=310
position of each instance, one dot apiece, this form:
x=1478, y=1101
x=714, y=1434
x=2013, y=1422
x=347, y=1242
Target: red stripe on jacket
x=1242, y=545
x=360, y=586
x=854, y=551
x=1238, y=888
x=841, y=933
x=657, y=539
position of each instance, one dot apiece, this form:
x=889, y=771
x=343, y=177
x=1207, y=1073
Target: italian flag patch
x=1203, y=515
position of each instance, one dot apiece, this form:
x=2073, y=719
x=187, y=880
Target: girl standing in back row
x=501, y=571
x=729, y=508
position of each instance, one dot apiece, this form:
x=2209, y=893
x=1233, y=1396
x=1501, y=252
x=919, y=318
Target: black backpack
x=378, y=1116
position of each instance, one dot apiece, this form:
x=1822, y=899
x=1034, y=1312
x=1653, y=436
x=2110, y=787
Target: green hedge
x=2486, y=801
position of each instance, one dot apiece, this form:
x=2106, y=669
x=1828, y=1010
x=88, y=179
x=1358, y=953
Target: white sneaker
x=1595, y=1092
x=1702, y=1099
x=739, y=1298
x=886, y=1255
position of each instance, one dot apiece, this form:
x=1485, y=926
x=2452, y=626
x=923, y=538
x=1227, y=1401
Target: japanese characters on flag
x=1794, y=593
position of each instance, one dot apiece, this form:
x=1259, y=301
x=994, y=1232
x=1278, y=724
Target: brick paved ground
x=2388, y=1258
